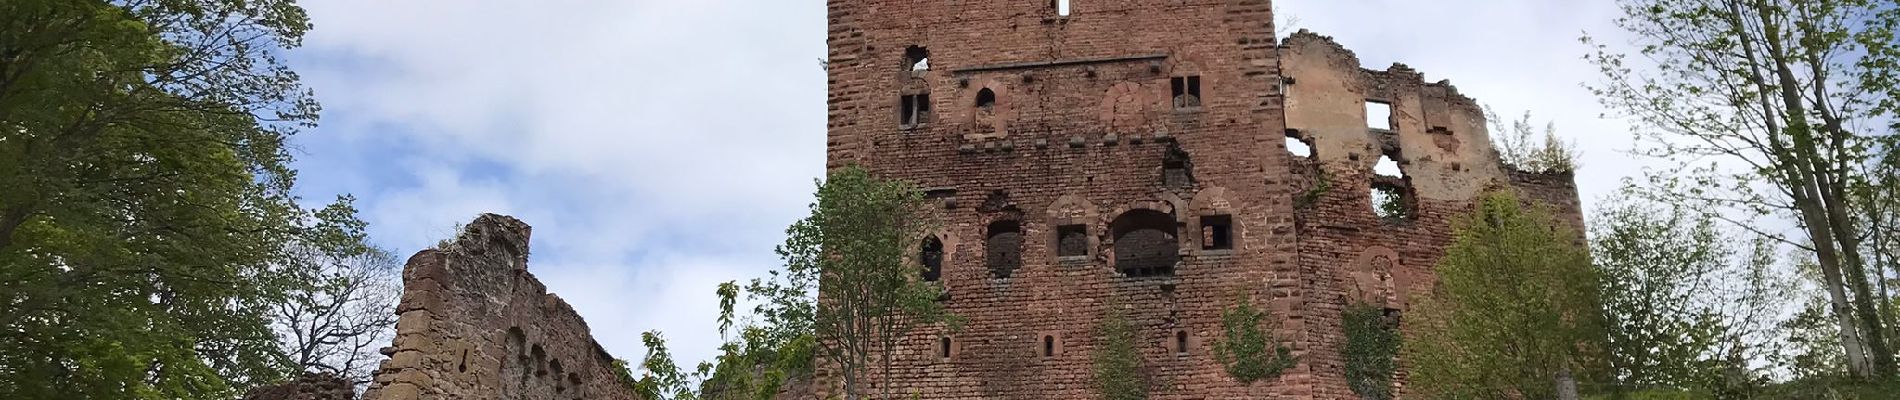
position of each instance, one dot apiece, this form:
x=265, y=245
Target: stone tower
x=1140, y=155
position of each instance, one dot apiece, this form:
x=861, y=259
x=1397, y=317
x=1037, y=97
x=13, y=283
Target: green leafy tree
x=855, y=242
x=1770, y=108
x=1119, y=374
x=1246, y=349
x=1688, y=306
x=1521, y=145
x=661, y=378
x=1515, y=312
x=147, y=201
x=1370, y=351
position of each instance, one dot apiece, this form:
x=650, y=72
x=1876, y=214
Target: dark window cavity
x=1003, y=248
x=1072, y=240
x=943, y=347
x=1048, y=346
x=1145, y=243
x=916, y=59
x=1217, y=232
x=1187, y=92
x=914, y=109
x=1180, y=342
x=930, y=256
x=985, y=98
x=1177, y=170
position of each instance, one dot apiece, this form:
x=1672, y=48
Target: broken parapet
x=476, y=325
x=307, y=387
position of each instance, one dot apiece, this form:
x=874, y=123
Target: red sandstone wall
x=1080, y=134
x=476, y=325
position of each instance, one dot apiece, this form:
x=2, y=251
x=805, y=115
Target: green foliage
x=662, y=379
x=855, y=245
x=1322, y=183
x=1118, y=367
x=147, y=206
x=1389, y=204
x=1771, y=113
x=1520, y=146
x=1370, y=351
x=1246, y=349
x=1681, y=298
x=1515, y=307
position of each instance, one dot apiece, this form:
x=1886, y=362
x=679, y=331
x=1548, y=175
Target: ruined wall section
x=1349, y=253
x=1083, y=130
x=476, y=325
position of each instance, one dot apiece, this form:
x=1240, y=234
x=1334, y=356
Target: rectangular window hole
x=1072, y=240
x=1217, y=232
x=1378, y=115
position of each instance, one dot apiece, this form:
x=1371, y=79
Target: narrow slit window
x=1217, y=232
x=1187, y=92
x=1180, y=342
x=914, y=109
x=930, y=257
x=943, y=347
x=1062, y=7
x=1378, y=115
x=1048, y=346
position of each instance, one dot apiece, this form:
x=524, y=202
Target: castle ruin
x=1167, y=158
x=1164, y=158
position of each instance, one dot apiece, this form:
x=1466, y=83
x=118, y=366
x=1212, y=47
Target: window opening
x=914, y=109
x=1145, y=243
x=917, y=59
x=1217, y=232
x=1062, y=7
x=1003, y=248
x=1048, y=346
x=1390, y=194
x=1378, y=115
x=1177, y=169
x=1180, y=342
x=985, y=98
x=930, y=256
x=1296, y=145
x=1072, y=240
x=943, y=347
x=1187, y=92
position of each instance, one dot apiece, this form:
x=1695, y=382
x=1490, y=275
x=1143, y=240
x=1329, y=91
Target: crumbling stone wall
x=1067, y=123
x=476, y=325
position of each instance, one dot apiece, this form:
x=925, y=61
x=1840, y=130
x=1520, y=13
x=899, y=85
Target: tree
x=1372, y=344
x=662, y=379
x=1515, y=312
x=1770, y=108
x=147, y=195
x=869, y=295
x=344, y=308
x=1118, y=368
x=1520, y=145
x=1689, y=307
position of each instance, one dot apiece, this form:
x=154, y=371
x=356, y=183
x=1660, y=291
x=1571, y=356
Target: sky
x=659, y=147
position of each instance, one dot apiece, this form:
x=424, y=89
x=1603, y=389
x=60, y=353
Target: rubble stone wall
x=476, y=325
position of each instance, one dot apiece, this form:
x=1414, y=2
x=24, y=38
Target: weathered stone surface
x=306, y=387
x=476, y=325
x=1302, y=238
